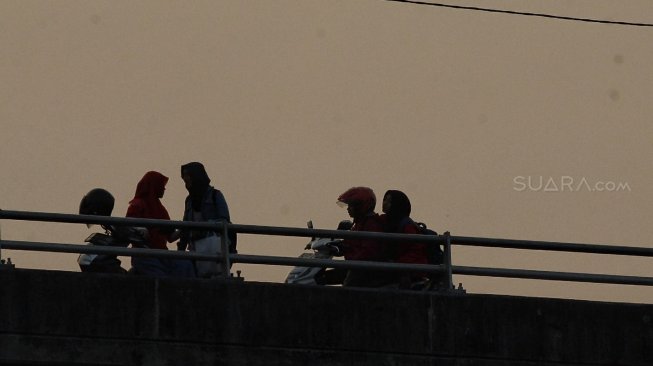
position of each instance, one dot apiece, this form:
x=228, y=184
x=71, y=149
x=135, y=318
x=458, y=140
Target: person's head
x=195, y=177
x=359, y=201
x=396, y=204
x=152, y=185
x=97, y=201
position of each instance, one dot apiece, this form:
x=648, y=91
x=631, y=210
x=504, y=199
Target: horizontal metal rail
x=236, y=258
x=216, y=226
x=98, y=249
x=552, y=246
x=553, y=276
x=291, y=261
x=300, y=232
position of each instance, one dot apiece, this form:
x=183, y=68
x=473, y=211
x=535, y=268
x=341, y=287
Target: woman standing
x=147, y=204
x=203, y=203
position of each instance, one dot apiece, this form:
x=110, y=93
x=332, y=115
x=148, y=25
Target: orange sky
x=289, y=103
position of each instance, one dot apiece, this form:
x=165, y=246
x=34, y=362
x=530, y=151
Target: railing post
x=226, y=265
x=447, y=260
x=4, y=264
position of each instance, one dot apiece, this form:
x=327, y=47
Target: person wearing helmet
x=147, y=204
x=97, y=201
x=360, y=203
x=100, y=202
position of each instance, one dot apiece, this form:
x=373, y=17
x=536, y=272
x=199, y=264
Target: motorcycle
x=322, y=248
x=114, y=236
x=99, y=202
x=327, y=248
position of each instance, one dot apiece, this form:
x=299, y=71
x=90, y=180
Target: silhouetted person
x=147, y=204
x=203, y=203
x=396, y=217
x=360, y=203
x=100, y=202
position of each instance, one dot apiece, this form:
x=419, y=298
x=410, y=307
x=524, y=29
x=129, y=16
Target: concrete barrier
x=52, y=317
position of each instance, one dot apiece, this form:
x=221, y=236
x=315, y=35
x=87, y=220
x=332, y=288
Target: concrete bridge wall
x=57, y=318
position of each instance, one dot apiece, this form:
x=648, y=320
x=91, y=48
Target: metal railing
x=445, y=240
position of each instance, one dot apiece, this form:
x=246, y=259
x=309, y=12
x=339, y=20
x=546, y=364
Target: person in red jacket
x=396, y=218
x=147, y=204
x=360, y=203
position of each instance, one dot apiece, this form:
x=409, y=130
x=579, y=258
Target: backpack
x=232, y=236
x=434, y=252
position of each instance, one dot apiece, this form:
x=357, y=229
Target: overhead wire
x=512, y=12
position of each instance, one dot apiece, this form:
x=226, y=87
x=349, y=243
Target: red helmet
x=362, y=196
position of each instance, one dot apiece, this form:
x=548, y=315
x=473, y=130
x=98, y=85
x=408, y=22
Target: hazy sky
x=289, y=103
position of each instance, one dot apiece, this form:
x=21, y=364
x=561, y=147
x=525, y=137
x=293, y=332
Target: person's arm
x=174, y=235
x=182, y=244
x=365, y=249
x=135, y=209
x=222, y=207
x=137, y=236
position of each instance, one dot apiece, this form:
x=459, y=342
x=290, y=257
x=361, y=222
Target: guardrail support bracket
x=6, y=264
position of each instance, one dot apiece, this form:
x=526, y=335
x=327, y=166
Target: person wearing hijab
x=203, y=203
x=396, y=217
x=147, y=204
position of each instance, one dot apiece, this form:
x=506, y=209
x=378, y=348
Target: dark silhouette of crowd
x=205, y=203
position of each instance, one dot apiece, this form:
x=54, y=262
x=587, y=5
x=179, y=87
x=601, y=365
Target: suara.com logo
x=566, y=183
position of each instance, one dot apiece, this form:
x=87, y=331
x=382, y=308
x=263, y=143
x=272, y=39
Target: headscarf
x=149, y=189
x=399, y=208
x=199, y=182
